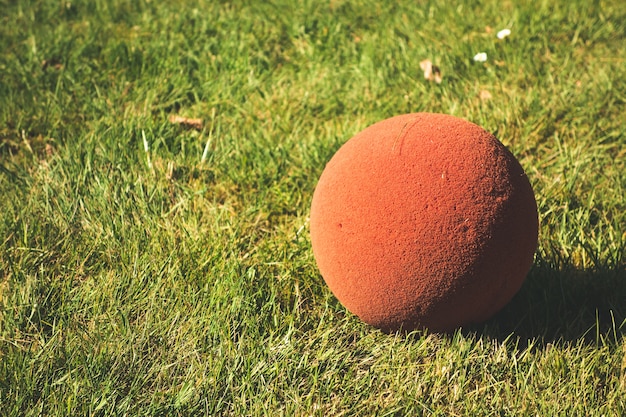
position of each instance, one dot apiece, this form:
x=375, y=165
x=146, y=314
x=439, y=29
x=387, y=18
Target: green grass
x=161, y=283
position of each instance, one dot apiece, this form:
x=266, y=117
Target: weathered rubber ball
x=423, y=221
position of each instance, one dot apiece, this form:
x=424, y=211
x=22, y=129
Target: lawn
x=152, y=267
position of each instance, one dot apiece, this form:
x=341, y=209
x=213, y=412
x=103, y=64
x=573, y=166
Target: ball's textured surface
x=423, y=221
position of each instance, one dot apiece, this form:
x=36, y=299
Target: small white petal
x=503, y=33
x=480, y=57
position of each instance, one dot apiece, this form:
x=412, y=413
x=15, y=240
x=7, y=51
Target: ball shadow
x=563, y=304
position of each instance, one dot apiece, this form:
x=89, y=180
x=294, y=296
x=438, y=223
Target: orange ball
x=424, y=221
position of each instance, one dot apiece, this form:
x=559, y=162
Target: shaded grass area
x=159, y=282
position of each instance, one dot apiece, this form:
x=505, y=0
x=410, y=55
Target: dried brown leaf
x=186, y=121
x=431, y=72
x=53, y=63
x=484, y=95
